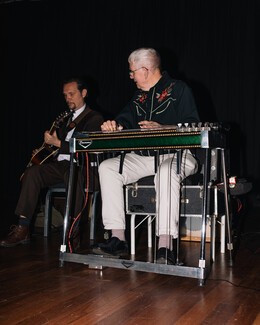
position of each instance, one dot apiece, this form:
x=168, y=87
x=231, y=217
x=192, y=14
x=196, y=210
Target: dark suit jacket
x=90, y=122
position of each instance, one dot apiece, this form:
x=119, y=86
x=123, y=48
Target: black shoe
x=113, y=247
x=165, y=256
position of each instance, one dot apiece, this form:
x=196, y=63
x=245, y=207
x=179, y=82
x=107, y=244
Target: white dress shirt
x=69, y=134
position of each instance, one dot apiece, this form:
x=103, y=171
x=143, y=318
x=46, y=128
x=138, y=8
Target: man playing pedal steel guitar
x=42, y=173
x=160, y=101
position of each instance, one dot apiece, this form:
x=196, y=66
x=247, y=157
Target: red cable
x=240, y=205
x=84, y=205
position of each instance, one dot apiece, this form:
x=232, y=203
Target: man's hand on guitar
x=34, y=152
x=149, y=124
x=155, y=125
x=52, y=139
x=111, y=126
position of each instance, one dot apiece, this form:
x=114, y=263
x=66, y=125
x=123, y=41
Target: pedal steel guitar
x=180, y=137
x=184, y=136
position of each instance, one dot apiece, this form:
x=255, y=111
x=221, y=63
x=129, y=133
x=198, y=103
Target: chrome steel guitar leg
x=67, y=215
x=179, y=158
x=202, y=260
x=229, y=243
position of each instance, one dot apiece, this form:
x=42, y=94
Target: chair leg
x=93, y=215
x=213, y=225
x=222, y=234
x=133, y=227
x=47, y=213
x=132, y=233
x=213, y=237
x=48, y=208
x=149, y=226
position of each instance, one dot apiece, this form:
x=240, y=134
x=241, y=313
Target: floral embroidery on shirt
x=164, y=94
x=142, y=97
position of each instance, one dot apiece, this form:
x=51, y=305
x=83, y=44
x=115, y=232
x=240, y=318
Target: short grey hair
x=146, y=57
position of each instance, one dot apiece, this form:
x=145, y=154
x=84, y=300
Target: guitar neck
x=53, y=128
x=47, y=151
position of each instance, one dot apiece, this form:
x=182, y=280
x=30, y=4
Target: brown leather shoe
x=18, y=235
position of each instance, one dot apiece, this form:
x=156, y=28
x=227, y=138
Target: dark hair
x=80, y=82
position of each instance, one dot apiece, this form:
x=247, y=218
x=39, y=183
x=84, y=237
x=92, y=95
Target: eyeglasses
x=131, y=72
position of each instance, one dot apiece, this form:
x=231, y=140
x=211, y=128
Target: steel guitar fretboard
x=180, y=137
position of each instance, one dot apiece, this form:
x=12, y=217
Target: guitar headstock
x=63, y=116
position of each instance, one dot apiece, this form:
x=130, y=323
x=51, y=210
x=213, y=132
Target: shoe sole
x=23, y=242
x=100, y=252
x=163, y=260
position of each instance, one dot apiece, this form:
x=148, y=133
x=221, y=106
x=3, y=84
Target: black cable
x=233, y=284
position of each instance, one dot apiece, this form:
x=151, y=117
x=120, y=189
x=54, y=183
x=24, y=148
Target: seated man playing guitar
x=49, y=164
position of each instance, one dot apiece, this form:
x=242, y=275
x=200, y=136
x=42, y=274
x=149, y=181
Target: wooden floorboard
x=35, y=289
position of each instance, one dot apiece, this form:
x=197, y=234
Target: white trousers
x=167, y=187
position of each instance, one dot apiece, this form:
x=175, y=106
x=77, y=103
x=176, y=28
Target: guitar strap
x=75, y=122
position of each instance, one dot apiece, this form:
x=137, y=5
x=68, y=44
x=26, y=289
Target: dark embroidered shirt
x=170, y=101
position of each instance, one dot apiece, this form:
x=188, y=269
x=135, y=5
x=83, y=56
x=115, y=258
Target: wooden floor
x=36, y=290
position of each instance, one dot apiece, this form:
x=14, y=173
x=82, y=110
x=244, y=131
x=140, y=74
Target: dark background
x=212, y=45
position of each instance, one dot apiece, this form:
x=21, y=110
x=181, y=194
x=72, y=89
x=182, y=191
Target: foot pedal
x=95, y=267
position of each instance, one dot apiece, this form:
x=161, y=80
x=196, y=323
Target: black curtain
x=212, y=45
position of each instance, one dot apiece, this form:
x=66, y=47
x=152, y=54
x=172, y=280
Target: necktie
x=71, y=118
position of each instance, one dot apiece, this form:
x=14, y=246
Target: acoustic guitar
x=46, y=151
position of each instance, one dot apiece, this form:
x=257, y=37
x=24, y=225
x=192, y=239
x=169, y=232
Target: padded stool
x=140, y=201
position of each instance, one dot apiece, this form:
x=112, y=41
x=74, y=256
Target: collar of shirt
x=77, y=112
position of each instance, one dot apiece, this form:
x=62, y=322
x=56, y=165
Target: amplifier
x=141, y=199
